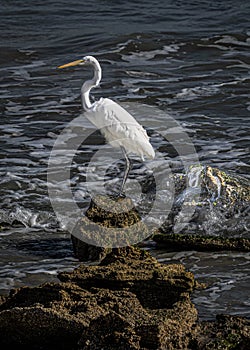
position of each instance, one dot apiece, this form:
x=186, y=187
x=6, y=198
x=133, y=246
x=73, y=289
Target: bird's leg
x=126, y=172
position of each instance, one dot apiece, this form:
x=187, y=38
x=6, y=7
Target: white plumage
x=119, y=128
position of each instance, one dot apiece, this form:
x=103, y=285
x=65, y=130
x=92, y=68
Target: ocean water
x=189, y=61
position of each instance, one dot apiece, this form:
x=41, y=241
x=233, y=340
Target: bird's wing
x=119, y=127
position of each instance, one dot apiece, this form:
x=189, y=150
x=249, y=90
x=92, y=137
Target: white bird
x=118, y=126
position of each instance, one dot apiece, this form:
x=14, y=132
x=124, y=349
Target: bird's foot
x=121, y=194
x=118, y=195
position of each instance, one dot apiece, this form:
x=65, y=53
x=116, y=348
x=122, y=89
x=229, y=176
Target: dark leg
x=126, y=172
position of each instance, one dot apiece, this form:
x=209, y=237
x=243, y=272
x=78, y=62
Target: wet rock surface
x=218, y=203
x=128, y=301
x=219, y=221
x=220, y=218
x=177, y=242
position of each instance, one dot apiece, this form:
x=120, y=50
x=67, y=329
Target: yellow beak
x=71, y=64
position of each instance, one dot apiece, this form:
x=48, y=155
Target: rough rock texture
x=219, y=221
x=87, y=252
x=200, y=243
x=227, y=332
x=155, y=285
x=108, y=222
x=129, y=301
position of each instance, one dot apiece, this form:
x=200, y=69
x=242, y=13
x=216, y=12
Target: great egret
x=118, y=126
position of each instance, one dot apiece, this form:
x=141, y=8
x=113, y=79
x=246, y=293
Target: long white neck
x=89, y=84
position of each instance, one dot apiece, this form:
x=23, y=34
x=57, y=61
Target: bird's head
x=86, y=60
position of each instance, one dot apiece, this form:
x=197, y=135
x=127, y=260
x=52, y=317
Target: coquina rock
x=108, y=223
x=210, y=212
x=128, y=301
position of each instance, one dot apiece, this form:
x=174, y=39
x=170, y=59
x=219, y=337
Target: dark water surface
x=189, y=59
